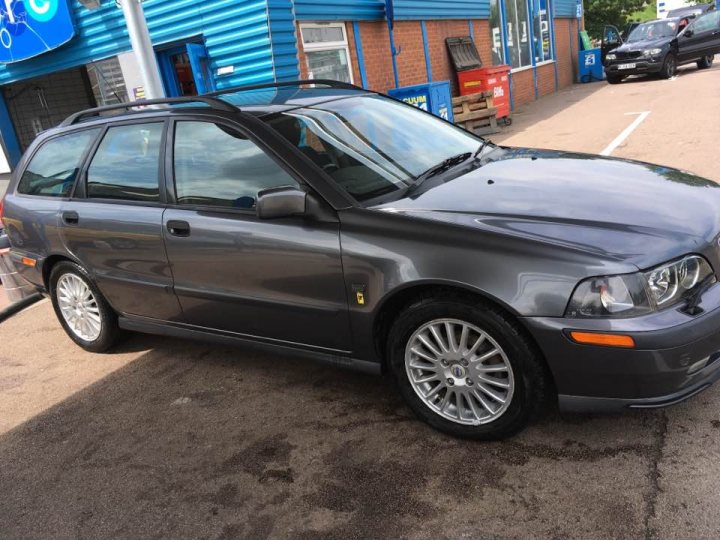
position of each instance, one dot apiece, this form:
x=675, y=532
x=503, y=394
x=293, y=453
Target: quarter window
x=326, y=51
x=217, y=166
x=126, y=164
x=55, y=166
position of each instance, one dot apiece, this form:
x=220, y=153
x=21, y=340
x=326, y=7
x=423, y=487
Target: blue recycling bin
x=590, y=66
x=433, y=97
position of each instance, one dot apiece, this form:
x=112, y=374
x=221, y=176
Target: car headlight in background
x=610, y=56
x=651, y=52
x=630, y=295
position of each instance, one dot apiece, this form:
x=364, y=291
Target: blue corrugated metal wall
x=565, y=8
x=349, y=10
x=339, y=10
x=442, y=9
x=236, y=32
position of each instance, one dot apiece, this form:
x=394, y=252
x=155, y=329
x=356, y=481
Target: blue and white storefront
x=59, y=56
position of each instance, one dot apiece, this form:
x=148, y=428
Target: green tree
x=598, y=13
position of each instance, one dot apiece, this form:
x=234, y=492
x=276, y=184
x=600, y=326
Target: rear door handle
x=70, y=218
x=178, y=228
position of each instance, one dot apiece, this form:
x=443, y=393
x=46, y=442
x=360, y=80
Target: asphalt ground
x=174, y=439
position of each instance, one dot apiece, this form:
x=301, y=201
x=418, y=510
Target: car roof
x=697, y=9
x=259, y=100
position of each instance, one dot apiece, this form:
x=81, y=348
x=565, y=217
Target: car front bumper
x=675, y=357
x=641, y=66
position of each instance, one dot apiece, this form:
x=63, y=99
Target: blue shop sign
x=32, y=27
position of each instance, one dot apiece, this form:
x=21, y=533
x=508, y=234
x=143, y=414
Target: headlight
x=610, y=56
x=651, y=52
x=630, y=295
x=670, y=282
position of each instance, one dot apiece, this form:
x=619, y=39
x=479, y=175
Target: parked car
x=659, y=47
x=339, y=223
x=690, y=11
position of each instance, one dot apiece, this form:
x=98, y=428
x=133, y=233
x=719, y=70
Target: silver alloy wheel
x=79, y=307
x=459, y=371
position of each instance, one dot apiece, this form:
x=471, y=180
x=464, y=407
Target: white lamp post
x=143, y=49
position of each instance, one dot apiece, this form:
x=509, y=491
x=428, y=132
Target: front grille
x=626, y=55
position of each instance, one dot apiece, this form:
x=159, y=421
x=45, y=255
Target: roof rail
x=214, y=103
x=280, y=84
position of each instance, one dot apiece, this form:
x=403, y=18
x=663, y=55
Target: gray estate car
x=336, y=222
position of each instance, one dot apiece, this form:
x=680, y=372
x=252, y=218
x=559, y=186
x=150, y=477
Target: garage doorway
x=35, y=105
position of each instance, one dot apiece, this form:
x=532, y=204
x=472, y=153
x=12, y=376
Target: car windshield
x=653, y=30
x=370, y=145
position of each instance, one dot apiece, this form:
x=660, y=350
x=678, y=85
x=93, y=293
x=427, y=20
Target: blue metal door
x=200, y=67
x=174, y=72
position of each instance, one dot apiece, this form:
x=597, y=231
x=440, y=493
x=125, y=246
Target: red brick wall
x=546, y=79
x=411, y=60
x=523, y=89
x=565, y=38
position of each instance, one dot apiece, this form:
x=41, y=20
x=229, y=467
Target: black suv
x=359, y=230
x=661, y=46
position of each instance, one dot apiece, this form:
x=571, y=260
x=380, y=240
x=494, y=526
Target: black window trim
x=242, y=130
x=80, y=192
x=40, y=143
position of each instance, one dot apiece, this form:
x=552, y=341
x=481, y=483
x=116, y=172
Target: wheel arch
x=49, y=263
x=401, y=297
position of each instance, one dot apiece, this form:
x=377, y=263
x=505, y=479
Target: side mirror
x=281, y=202
x=688, y=33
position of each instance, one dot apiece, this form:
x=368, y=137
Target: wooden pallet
x=476, y=113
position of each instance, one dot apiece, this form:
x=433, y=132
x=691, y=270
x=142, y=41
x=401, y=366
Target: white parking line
x=617, y=141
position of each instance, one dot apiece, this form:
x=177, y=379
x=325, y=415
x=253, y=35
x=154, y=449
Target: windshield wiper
x=443, y=166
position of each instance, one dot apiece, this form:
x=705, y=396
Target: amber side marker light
x=607, y=340
x=27, y=261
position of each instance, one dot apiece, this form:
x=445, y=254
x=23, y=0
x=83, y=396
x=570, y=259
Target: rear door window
x=53, y=169
x=126, y=164
x=218, y=166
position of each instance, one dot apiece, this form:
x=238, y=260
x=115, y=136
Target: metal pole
x=143, y=49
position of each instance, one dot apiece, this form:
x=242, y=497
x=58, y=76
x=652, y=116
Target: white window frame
x=327, y=45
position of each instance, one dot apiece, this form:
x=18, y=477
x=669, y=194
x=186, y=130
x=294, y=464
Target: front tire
x=466, y=368
x=82, y=310
x=706, y=62
x=669, y=67
x=614, y=79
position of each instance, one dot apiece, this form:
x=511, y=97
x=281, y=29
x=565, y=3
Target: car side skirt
x=186, y=331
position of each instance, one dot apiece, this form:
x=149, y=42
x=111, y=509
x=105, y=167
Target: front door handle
x=178, y=228
x=70, y=218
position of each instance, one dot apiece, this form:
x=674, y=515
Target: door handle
x=70, y=218
x=178, y=228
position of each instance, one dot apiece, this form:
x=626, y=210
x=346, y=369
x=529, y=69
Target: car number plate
x=626, y=66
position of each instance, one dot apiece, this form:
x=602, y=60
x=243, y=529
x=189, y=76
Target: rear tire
x=706, y=62
x=82, y=310
x=614, y=79
x=465, y=407
x=669, y=66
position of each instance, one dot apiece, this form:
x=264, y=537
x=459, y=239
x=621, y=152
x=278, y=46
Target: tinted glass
x=218, y=166
x=126, y=164
x=372, y=146
x=653, y=30
x=707, y=22
x=54, y=167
